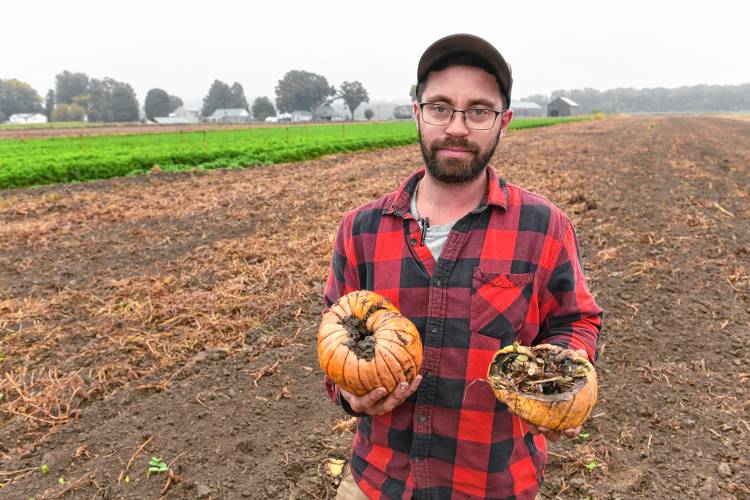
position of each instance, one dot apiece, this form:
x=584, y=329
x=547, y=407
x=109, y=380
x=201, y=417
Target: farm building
x=562, y=106
x=300, y=115
x=20, y=118
x=229, y=115
x=180, y=116
x=323, y=113
x=527, y=108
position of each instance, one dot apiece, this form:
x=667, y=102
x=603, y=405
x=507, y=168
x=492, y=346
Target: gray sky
x=182, y=46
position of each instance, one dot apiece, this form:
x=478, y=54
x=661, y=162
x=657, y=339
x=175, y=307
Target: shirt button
x=428, y=375
x=422, y=419
x=413, y=241
x=433, y=329
x=417, y=459
x=437, y=282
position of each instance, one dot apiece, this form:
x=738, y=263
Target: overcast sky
x=182, y=46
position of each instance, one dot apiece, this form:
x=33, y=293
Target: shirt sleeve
x=570, y=317
x=342, y=279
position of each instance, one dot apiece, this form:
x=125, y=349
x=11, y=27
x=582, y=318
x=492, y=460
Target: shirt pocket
x=499, y=303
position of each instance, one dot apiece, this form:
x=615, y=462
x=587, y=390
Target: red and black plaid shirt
x=509, y=271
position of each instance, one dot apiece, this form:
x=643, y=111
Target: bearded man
x=477, y=264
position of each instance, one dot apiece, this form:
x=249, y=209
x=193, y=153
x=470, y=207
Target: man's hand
x=374, y=402
x=553, y=436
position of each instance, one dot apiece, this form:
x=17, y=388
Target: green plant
x=38, y=161
x=584, y=435
x=156, y=466
x=45, y=469
x=590, y=466
x=61, y=480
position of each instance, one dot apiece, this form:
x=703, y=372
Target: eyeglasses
x=475, y=118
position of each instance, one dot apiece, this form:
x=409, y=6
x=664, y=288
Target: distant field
x=27, y=126
x=38, y=161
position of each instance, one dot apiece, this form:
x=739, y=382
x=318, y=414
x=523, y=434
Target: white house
x=301, y=116
x=180, y=116
x=229, y=115
x=20, y=118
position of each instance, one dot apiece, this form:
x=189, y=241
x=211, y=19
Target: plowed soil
x=174, y=316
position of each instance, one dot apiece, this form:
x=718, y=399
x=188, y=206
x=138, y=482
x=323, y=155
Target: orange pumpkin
x=364, y=343
x=561, y=400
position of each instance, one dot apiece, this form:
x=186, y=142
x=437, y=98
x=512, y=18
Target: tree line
x=696, y=98
x=76, y=96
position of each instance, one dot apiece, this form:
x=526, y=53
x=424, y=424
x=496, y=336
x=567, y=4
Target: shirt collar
x=496, y=195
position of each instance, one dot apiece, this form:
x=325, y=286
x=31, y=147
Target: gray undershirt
x=435, y=236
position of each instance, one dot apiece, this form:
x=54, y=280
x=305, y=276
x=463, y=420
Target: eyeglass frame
x=463, y=112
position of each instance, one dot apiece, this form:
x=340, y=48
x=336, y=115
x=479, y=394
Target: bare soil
x=174, y=316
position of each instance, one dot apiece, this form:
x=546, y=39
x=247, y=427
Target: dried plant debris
x=543, y=372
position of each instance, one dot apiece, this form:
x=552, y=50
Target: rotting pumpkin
x=545, y=384
x=364, y=343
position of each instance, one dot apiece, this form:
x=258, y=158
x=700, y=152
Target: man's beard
x=455, y=170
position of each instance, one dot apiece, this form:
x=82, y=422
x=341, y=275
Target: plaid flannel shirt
x=510, y=271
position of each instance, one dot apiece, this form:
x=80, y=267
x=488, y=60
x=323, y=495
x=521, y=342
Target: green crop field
x=38, y=161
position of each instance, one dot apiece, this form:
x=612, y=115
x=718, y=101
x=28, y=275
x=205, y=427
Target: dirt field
x=174, y=316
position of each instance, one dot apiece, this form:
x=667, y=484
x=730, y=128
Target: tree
x=2, y=116
x=219, y=96
x=67, y=113
x=49, y=104
x=302, y=90
x=263, y=108
x=353, y=94
x=124, y=103
x=238, y=97
x=18, y=97
x=174, y=103
x=413, y=93
x=98, y=100
x=369, y=114
x=157, y=103
x=70, y=85
x=108, y=100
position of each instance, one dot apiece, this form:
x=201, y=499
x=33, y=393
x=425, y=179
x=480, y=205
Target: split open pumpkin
x=545, y=385
x=364, y=343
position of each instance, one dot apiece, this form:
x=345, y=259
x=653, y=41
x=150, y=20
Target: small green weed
x=156, y=466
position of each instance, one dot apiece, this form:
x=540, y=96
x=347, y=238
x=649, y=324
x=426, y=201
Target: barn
x=526, y=108
x=562, y=106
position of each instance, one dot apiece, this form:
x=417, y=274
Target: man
x=476, y=263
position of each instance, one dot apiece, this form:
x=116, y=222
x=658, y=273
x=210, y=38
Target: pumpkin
x=365, y=343
x=545, y=385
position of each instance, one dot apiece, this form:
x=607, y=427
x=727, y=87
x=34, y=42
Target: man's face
x=454, y=153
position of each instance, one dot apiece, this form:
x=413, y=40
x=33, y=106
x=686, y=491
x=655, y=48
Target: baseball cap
x=464, y=42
